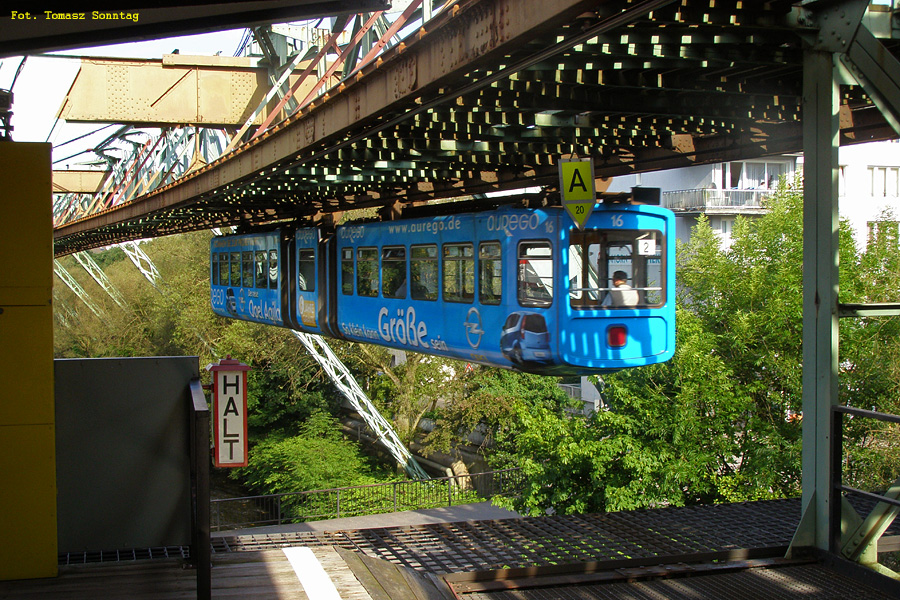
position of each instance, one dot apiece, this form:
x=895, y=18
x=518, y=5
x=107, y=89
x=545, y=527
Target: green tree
x=317, y=457
x=405, y=386
x=870, y=361
x=487, y=403
x=720, y=421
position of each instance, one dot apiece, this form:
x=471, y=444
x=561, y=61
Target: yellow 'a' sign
x=576, y=185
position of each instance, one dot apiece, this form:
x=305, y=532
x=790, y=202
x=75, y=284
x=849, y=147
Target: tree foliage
x=486, y=402
x=317, y=457
x=719, y=422
x=722, y=420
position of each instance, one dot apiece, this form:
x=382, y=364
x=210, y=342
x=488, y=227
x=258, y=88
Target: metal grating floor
x=543, y=541
x=809, y=582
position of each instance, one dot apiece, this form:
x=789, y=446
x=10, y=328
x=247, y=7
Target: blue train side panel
x=374, y=307
x=516, y=288
x=246, y=277
x=512, y=287
x=459, y=310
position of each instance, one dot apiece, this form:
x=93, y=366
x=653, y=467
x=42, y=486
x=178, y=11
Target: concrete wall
x=123, y=454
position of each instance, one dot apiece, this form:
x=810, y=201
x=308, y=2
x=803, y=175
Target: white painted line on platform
x=315, y=581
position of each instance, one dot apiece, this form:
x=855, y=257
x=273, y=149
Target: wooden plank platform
x=261, y=574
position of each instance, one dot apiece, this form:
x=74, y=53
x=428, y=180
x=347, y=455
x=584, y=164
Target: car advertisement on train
x=461, y=299
x=244, y=278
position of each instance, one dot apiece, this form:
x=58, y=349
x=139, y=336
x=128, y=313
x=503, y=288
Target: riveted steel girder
x=212, y=91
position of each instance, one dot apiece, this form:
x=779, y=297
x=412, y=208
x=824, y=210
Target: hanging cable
x=81, y=137
x=18, y=72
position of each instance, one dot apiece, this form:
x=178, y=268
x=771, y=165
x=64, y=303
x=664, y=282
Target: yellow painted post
x=27, y=416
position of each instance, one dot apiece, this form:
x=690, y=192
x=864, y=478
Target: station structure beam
x=843, y=51
x=208, y=91
x=78, y=181
x=481, y=32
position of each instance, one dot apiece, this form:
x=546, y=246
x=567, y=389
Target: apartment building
x=869, y=186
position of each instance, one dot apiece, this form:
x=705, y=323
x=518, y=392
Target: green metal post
x=820, y=292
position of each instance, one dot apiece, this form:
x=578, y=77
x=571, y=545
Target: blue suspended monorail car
x=512, y=287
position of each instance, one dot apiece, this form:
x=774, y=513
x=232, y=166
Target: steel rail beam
x=478, y=32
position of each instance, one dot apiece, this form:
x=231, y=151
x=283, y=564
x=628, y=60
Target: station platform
x=731, y=551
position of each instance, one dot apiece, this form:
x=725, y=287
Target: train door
x=307, y=282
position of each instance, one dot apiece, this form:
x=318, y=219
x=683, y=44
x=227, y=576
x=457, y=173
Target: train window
x=273, y=269
x=223, y=268
x=459, y=273
x=306, y=270
x=535, y=281
x=490, y=270
x=393, y=272
x=262, y=275
x=247, y=264
x=616, y=269
x=367, y=271
x=214, y=269
x=347, y=270
x=235, y=269
x=423, y=269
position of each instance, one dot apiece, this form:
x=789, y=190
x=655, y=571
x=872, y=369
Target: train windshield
x=616, y=269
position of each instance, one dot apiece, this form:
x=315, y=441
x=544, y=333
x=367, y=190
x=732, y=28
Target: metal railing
x=201, y=555
x=871, y=528
x=316, y=505
x=703, y=199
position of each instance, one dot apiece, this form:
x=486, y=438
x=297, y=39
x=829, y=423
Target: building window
x=883, y=182
x=755, y=175
x=726, y=226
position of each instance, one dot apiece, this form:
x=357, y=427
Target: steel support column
x=820, y=293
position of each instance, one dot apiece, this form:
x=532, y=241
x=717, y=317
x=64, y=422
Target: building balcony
x=716, y=201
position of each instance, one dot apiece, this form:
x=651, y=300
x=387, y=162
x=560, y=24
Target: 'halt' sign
x=229, y=413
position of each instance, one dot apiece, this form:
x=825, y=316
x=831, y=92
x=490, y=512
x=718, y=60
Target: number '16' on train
x=512, y=287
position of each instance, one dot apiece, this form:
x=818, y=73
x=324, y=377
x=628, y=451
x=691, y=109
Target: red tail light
x=616, y=336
